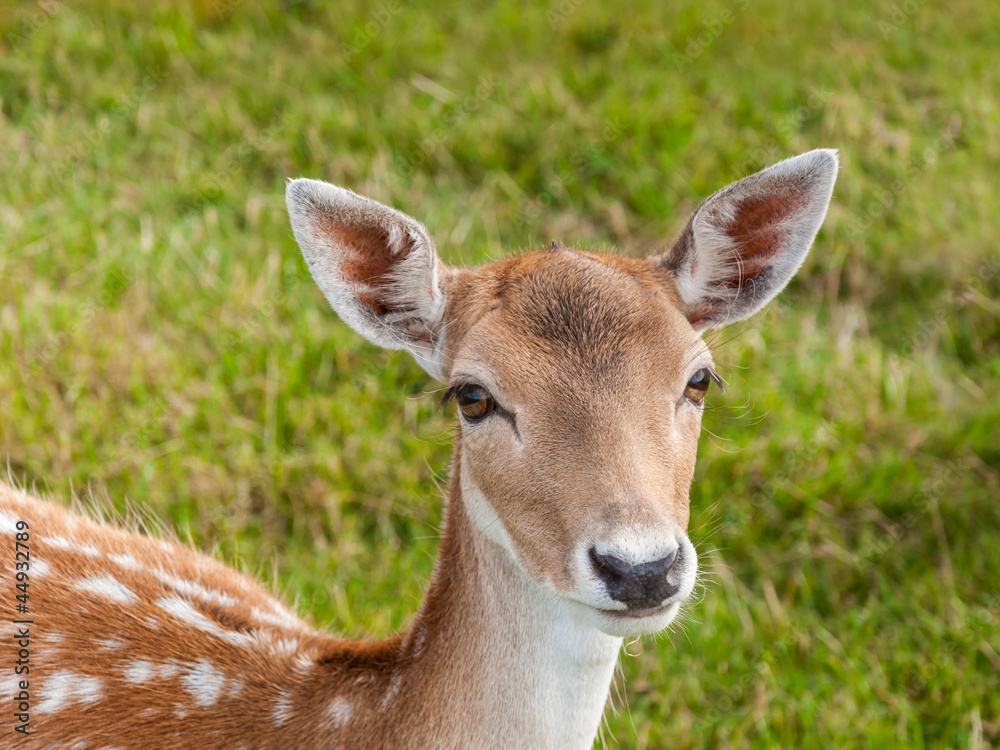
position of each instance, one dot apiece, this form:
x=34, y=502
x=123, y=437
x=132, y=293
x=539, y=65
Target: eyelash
x=697, y=387
x=452, y=393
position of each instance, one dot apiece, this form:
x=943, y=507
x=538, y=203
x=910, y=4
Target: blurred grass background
x=163, y=343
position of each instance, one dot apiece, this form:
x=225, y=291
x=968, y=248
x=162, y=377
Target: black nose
x=638, y=586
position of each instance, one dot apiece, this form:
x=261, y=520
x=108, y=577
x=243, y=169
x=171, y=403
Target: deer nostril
x=637, y=586
x=608, y=567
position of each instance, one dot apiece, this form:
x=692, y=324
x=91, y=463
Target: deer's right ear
x=377, y=267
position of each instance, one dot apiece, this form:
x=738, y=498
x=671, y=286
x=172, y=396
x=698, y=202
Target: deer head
x=580, y=377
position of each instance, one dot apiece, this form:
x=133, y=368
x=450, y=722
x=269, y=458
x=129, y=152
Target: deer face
x=579, y=377
x=579, y=426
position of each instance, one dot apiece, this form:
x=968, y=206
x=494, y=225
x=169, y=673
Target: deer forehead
x=590, y=323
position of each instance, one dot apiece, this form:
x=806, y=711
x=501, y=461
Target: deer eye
x=475, y=402
x=697, y=386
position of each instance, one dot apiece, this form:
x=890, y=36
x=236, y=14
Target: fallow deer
x=580, y=380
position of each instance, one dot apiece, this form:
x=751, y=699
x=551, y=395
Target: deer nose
x=643, y=586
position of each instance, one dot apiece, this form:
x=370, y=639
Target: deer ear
x=743, y=245
x=377, y=267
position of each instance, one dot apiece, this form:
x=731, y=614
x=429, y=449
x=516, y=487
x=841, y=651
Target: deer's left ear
x=743, y=244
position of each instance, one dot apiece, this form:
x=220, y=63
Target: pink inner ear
x=757, y=233
x=366, y=261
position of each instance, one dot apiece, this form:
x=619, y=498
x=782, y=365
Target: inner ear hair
x=743, y=244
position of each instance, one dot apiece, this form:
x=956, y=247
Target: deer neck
x=510, y=664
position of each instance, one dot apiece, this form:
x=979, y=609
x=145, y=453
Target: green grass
x=162, y=342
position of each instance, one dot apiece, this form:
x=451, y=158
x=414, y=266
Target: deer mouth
x=635, y=622
x=639, y=614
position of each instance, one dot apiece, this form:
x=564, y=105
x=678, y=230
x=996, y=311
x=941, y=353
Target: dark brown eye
x=697, y=386
x=475, y=402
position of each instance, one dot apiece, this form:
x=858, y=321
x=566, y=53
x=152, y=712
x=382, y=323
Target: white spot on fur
x=140, y=671
x=126, y=561
x=8, y=524
x=63, y=688
x=183, y=610
x=110, y=644
x=9, y=684
x=391, y=693
x=69, y=545
x=280, y=620
x=221, y=597
x=421, y=637
x=39, y=568
x=191, y=589
x=339, y=712
x=286, y=646
x=283, y=611
x=107, y=587
x=204, y=682
x=304, y=662
x=282, y=710
x=235, y=686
